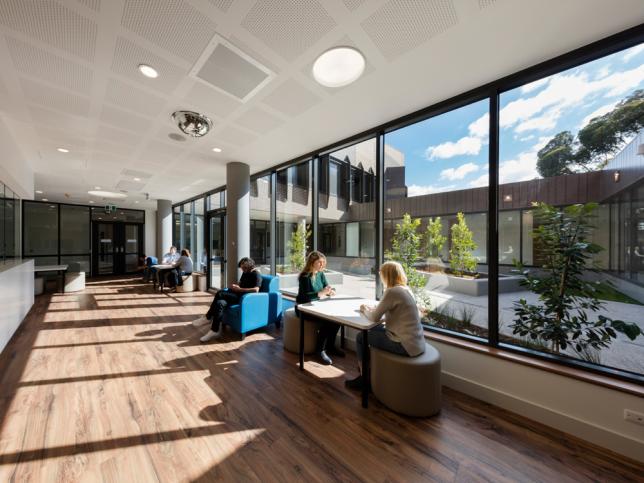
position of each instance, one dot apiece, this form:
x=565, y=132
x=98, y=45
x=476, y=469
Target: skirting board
x=589, y=432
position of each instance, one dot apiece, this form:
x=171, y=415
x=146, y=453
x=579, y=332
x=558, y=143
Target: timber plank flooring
x=112, y=385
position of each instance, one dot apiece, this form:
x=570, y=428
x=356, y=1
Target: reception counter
x=16, y=296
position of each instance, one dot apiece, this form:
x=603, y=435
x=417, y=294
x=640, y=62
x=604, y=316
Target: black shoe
x=354, y=383
x=324, y=358
x=334, y=351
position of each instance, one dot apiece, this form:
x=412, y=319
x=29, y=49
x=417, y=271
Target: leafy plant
x=561, y=318
x=297, y=246
x=405, y=246
x=461, y=258
x=434, y=238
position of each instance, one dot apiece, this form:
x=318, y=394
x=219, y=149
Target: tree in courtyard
x=566, y=297
x=461, y=259
x=434, y=238
x=405, y=248
x=596, y=143
x=297, y=246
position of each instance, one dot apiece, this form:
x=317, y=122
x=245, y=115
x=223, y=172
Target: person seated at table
x=148, y=271
x=182, y=267
x=168, y=259
x=250, y=282
x=314, y=286
x=402, y=332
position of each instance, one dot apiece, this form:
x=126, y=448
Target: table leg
x=301, y=341
x=62, y=280
x=366, y=374
x=342, y=337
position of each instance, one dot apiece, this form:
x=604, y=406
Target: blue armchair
x=256, y=309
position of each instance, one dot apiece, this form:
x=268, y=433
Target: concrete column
x=164, y=226
x=237, y=217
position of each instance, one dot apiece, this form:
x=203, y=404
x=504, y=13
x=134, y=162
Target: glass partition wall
x=466, y=194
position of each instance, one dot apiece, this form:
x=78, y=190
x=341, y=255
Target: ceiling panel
x=52, y=23
x=54, y=98
x=134, y=99
x=291, y=98
x=259, y=120
x=125, y=120
x=211, y=102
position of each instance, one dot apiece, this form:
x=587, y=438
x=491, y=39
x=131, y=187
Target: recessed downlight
x=107, y=194
x=91, y=201
x=62, y=150
x=148, y=71
x=137, y=179
x=44, y=199
x=217, y=150
x=97, y=187
x=338, y=66
x=38, y=192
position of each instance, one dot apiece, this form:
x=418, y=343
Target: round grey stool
x=291, y=333
x=407, y=385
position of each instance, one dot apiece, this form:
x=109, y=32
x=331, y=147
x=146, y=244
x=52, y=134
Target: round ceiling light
x=148, y=71
x=62, y=150
x=107, y=194
x=192, y=123
x=39, y=192
x=338, y=66
x=217, y=150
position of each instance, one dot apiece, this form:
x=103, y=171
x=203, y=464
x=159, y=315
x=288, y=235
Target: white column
x=164, y=226
x=237, y=217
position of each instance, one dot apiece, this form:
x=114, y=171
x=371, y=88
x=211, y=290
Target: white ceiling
x=69, y=77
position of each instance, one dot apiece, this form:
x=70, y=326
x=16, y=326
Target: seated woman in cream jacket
x=402, y=332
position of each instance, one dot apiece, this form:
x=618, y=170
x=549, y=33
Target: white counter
x=16, y=296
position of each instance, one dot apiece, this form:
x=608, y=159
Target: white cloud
x=603, y=72
x=596, y=113
x=449, y=149
x=416, y=190
x=461, y=172
x=533, y=86
x=632, y=52
x=524, y=167
x=620, y=83
x=544, y=122
x=481, y=127
x=482, y=180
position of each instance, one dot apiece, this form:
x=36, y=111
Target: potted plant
x=567, y=300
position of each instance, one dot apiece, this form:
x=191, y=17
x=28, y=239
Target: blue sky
x=449, y=152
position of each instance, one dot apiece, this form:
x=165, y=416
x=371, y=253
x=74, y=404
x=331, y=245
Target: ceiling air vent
x=231, y=71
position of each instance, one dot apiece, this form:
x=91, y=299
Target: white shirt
x=402, y=319
x=171, y=257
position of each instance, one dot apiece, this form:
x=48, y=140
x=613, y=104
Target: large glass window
x=294, y=214
x=41, y=229
x=566, y=144
x=436, y=177
x=74, y=230
x=198, y=248
x=347, y=183
x=260, y=214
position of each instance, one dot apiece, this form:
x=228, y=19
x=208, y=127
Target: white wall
x=15, y=170
x=151, y=233
x=589, y=411
x=16, y=296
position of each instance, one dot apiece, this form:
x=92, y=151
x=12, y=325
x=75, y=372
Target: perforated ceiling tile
x=222, y=5
x=52, y=23
x=401, y=25
x=173, y=25
x=209, y=101
x=55, y=69
x=111, y=148
x=132, y=173
x=289, y=27
x=291, y=98
x=156, y=149
x=236, y=136
x=74, y=124
x=125, y=120
x=93, y=4
x=259, y=120
x=54, y=98
x=133, y=99
x=128, y=56
x=485, y=3
x=109, y=133
x=254, y=54
x=353, y=4
x=130, y=186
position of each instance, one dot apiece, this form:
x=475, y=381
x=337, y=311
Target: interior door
x=104, y=249
x=116, y=248
x=217, y=250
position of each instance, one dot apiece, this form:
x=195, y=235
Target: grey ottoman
x=291, y=333
x=407, y=385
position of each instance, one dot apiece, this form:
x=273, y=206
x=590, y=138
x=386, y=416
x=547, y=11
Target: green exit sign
x=110, y=209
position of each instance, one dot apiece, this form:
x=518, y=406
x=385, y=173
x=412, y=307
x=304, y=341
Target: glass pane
x=186, y=227
x=199, y=255
x=260, y=212
x=41, y=229
x=41, y=261
x=176, y=227
x=436, y=176
x=77, y=263
x=569, y=165
x=74, y=229
x=131, y=263
x=113, y=213
x=2, y=223
x=105, y=264
x=132, y=239
x=217, y=200
x=217, y=251
x=294, y=214
x=105, y=248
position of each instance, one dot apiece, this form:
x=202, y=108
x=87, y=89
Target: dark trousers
x=326, y=336
x=175, y=277
x=223, y=299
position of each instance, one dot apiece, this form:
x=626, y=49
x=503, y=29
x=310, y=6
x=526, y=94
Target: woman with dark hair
x=250, y=282
x=314, y=286
x=182, y=267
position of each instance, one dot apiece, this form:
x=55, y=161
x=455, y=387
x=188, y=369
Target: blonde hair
x=313, y=257
x=392, y=274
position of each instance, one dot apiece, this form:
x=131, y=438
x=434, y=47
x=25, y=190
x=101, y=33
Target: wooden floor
x=113, y=385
